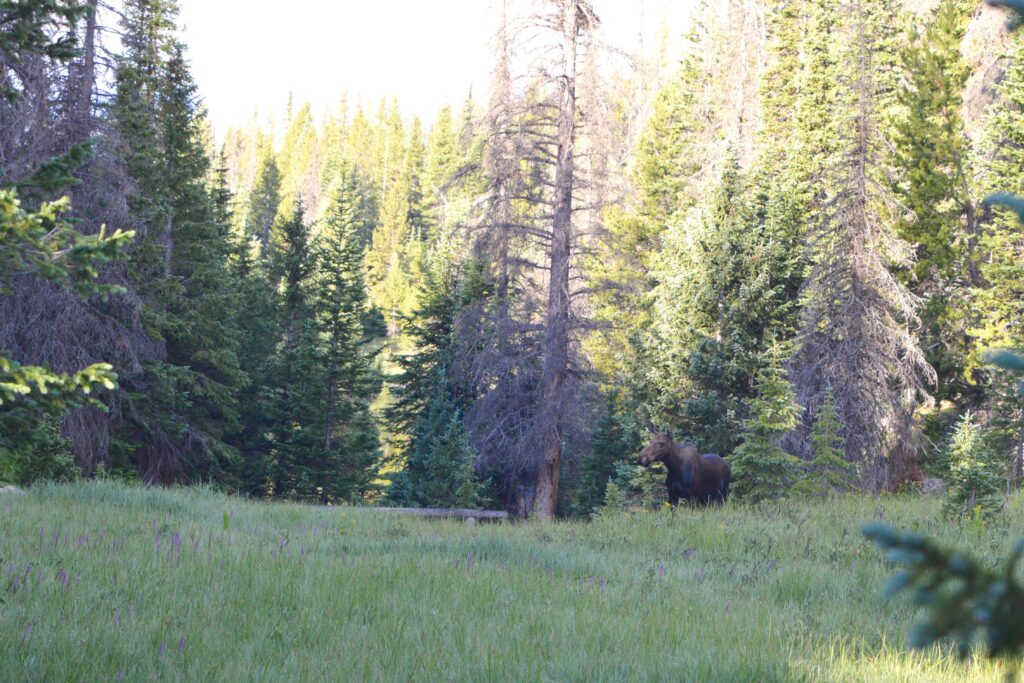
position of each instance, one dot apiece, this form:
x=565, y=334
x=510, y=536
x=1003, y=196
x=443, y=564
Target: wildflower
x=181, y=644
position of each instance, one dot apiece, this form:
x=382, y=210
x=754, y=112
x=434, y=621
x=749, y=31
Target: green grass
x=787, y=592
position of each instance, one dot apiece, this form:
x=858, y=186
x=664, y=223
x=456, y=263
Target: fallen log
x=448, y=513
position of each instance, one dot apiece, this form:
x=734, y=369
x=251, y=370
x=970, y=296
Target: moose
x=698, y=479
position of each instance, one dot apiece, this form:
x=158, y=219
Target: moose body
x=696, y=478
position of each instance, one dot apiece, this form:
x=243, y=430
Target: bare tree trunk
x=556, y=337
x=1018, y=461
x=82, y=80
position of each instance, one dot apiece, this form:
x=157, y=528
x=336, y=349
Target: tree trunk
x=83, y=79
x=1018, y=460
x=556, y=344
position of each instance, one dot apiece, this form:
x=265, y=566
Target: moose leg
x=673, y=497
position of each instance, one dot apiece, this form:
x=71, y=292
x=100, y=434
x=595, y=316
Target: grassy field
x=103, y=582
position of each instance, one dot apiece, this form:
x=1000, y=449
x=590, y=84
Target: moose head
x=661, y=447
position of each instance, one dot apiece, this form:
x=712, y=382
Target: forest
x=778, y=247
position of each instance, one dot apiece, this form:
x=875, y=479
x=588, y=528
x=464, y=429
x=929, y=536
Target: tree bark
x=556, y=344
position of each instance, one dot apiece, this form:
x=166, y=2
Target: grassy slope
x=782, y=593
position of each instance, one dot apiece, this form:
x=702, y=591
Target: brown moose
x=696, y=478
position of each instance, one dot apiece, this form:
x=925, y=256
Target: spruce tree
x=295, y=397
x=857, y=319
x=828, y=471
x=429, y=402
x=975, y=479
x=264, y=200
x=934, y=177
x=761, y=469
x=998, y=299
x=350, y=444
x=200, y=336
x=185, y=401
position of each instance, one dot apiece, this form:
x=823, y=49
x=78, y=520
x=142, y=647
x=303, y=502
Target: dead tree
x=520, y=353
x=858, y=322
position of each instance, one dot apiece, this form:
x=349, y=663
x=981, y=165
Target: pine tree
x=185, y=401
x=295, y=397
x=999, y=298
x=975, y=480
x=300, y=160
x=255, y=320
x=608, y=448
x=429, y=403
x=200, y=333
x=933, y=162
x=728, y=283
x=827, y=472
x=857, y=318
x=761, y=469
x=350, y=446
x=264, y=201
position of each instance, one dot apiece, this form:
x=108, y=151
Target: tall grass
x=105, y=582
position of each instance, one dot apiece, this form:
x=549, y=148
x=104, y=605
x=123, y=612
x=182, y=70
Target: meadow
x=103, y=581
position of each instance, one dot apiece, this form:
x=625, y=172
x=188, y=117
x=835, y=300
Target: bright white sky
x=247, y=55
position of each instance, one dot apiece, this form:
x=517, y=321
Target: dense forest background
x=778, y=248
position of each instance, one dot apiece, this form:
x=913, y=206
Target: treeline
x=780, y=250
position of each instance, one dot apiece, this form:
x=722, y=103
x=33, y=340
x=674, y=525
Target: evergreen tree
x=975, y=480
x=264, y=200
x=299, y=160
x=295, y=397
x=255, y=320
x=933, y=163
x=185, y=401
x=857, y=318
x=350, y=447
x=827, y=472
x=728, y=283
x=761, y=469
x=200, y=334
x=998, y=299
x=608, y=448
x=428, y=402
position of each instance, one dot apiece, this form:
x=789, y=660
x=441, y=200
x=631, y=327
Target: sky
x=248, y=55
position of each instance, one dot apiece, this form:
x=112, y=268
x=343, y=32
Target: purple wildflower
x=62, y=576
x=177, y=541
x=469, y=560
x=117, y=616
x=162, y=649
x=661, y=571
x=181, y=644
x=119, y=676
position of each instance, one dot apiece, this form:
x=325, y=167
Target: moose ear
x=668, y=433
x=651, y=427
